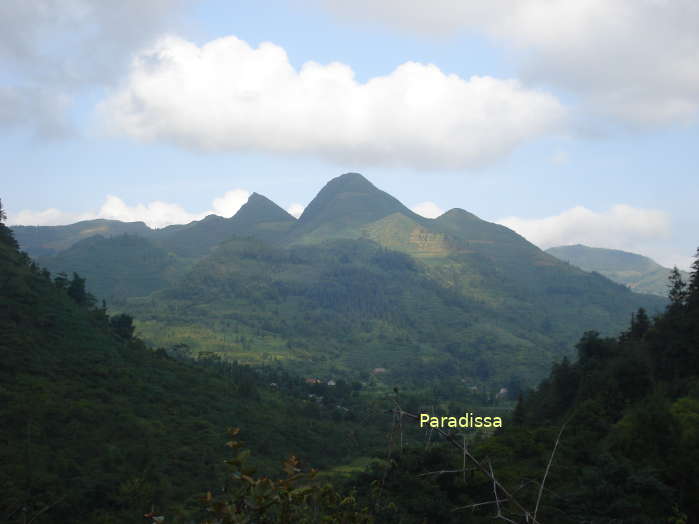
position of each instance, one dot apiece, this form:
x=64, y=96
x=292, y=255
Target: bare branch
x=548, y=467
x=478, y=504
x=441, y=472
x=452, y=440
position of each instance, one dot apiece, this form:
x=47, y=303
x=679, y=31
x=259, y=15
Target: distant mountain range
x=358, y=282
x=639, y=273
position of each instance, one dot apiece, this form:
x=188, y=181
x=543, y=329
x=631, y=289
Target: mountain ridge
x=638, y=272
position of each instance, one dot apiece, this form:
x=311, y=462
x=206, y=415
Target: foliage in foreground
x=295, y=498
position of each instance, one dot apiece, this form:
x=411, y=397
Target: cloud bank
x=638, y=230
x=228, y=96
x=621, y=227
x=155, y=214
x=634, y=60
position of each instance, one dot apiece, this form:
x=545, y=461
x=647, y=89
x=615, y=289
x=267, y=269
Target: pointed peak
x=351, y=182
x=259, y=208
x=258, y=197
x=457, y=213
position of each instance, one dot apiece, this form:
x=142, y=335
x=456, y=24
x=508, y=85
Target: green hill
x=47, y=240
x=359, y=282
x=342, y=207
x=121, y=266
x=259, y=217
x=467, y=300
x=639, y=273
x=118, y=267
x=613, y=435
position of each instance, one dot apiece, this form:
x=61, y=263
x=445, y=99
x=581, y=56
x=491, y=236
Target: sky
x=569, y=122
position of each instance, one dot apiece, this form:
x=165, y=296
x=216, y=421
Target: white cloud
x=621, y=227
x=227, y=96
x=52, y=50
x=637, y=60
x=47, y=217
x=427, y=209
x=296, y=209
x=155, y=214
x=229, y=204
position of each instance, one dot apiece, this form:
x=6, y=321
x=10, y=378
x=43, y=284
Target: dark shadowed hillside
x=97, y=427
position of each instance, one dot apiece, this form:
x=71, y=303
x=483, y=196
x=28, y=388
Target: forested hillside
x=97, y=427
x=358, y=283
x=613, y=436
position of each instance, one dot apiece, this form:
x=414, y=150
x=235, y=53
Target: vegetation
x=97, y=427
x=358, y=316
x=358, y=283
x=611, y=437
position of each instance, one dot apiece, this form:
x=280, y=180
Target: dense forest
x=97, y=427
x=611, y=437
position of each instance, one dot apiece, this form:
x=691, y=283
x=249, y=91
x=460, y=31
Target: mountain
x=343, y=207
x=130, y=265
x=639, y=273
x=258, y=217
x=360, y=282
x=47, y=240
x=118, y=267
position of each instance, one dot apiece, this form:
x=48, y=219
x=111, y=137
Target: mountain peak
x=343, y=206
x=258, y=209
x=457, y=213
x=354, y=180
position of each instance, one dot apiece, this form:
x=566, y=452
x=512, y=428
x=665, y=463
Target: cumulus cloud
x=427, y=209
x=46, y=217
x=51, y=50
x=620, y=227
x=228, y=96
x=229, y=204
x=636, y=60
x=296, y=209
x=155, y=214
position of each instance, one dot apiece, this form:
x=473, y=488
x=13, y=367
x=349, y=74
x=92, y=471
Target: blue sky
x=568, y=123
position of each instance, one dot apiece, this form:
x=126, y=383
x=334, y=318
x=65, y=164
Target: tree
x=693, y=286
x=296, y=497
x=677, y=289
x=122, y=325
x=640, y=323
x=3, y=215
x=76, y=291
